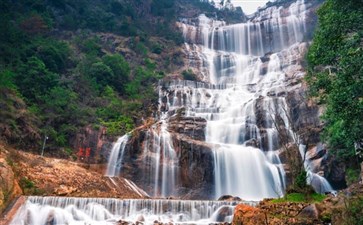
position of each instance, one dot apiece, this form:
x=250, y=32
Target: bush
x=353, y=211
x=352, y=175
x=189, y=75
x=7, y=80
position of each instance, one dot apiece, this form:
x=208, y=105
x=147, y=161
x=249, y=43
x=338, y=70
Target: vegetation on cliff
x=67, y=65
x=336, y=74
x=60, y=71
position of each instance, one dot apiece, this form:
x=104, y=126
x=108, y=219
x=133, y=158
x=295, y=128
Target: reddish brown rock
x=248, y=215
x=9, y=187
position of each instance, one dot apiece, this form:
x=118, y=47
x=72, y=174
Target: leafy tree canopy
x=336, y=73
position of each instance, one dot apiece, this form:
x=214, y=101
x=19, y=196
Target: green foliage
x=189, y=75
x=336, y=74
x=34, y=79
x=101, y=73
x=7, y=80
x=28, y=187
x=111, y=105
x=53, y=53
x=156, y=48
x=352, y=215
x=137, y=88
x=89, y=46
x=352, y=175
x=163, y=8
x=120, y=125
x=62, y=81
x=300, y=181
x=120, y=69
x=141, y=48
x=301, y=197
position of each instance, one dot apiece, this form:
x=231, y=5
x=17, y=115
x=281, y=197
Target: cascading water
x=159, y=157
x=162, y=159
x=248, y=70
x=98, y=211
x=115, y=159
x=246, y=61
x=319, y=183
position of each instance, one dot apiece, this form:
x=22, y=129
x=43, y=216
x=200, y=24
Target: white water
x=101, y=211
x=161, y=159
x=116, y=156
x=319, y=183
x=158, y=155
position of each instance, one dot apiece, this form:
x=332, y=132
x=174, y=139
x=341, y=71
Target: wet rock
x=335, y=173
x=225, y=198
x=223, y=213
x=229, y=198
x=253, y=143
x=196, y=166
x=123, y=222
x=189, y=126
x=141, y=218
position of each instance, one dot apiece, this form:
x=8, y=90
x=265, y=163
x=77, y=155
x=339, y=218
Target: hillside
x=68, y=67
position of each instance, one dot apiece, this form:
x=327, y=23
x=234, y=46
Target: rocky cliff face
x=9, y=187
x=194, y=166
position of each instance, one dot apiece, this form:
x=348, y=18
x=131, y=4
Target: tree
x=336, y=74
x=34, y=79
x=102, y=74
x=120, y=69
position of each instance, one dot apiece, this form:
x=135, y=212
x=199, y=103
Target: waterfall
x=159, y=157
x=164, y=161
x=248, y=61
x=247, y=72
x=251, y=66
x=79, y=211
x=319, y=183
x=116, y=156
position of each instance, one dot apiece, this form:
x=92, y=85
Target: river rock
x=223, y=213
x=229, y=198
x=141, y=218
x=225, y=198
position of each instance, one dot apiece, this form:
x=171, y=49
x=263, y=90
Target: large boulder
x=248, y=215
x=310, y=212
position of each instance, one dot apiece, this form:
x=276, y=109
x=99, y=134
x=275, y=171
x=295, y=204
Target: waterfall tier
x=74, y=211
